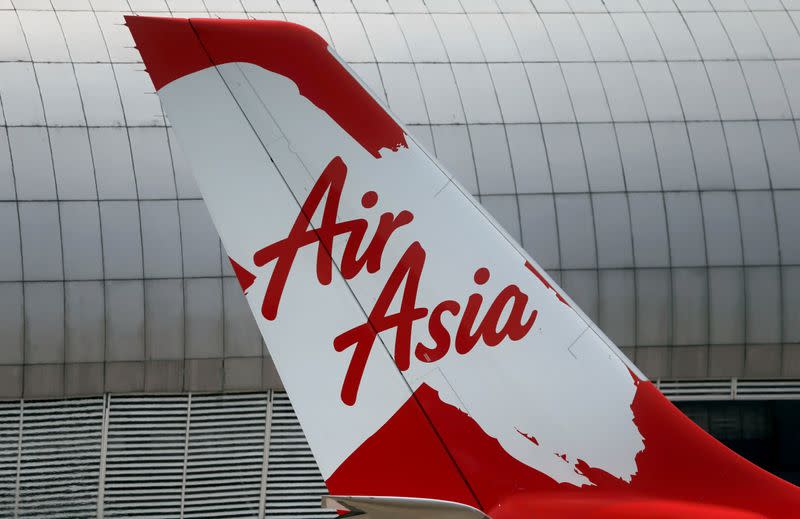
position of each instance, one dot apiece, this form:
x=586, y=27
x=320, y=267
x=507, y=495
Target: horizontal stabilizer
x=400, y=508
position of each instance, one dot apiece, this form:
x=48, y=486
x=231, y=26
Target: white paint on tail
x=561, y=384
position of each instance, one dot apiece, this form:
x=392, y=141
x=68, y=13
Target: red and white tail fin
x=426, y=355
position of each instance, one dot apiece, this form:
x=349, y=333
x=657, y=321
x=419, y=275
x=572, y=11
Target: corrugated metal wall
x=181, y=456
x=197, y=455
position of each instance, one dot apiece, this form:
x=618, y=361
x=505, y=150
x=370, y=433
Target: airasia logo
x=404, y=279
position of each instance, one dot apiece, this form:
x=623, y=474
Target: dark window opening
x=766, y=433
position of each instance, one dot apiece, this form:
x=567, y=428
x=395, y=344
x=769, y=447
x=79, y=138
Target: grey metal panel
x=125, y=320
x=442, y=99
x=638, y=36
x=565, y=33
x=403, y=92
x=759, y=235
x=658, y=90
x=33, y=167
x=199, y=241
x=747, y=155
x=685, y=222
x=348, y=36
x=649, y=226
x=690, y=308
x=40, y=228
x=453, y=149
x=617, y=315
x=504, y=209
x=675, y=161
x=539, y=231
x=586, y=92
x=515, y=97
x=122, y=239
x=743, y=32
x=576, y=238
x=790, y=74
x=730, y=89
x=12, y=324
x=531, y=37
x=161, y=239
x=477, y=92
x=767, y=90
x=59, y=91
x=727, y=305
x=790, y=276
x=81, y=244
x=602, y=156
x=639, y=160
x=613, y=226
x=529, y=158
x=763, y=305
x=44, y=323
x=602, y=36
x=165, y=318
x=99, y=95
x=7, y=185
x=565, y=153
x=18, y=82
x=113, y=163
x=460, y=41
x=622, y=90
x=386, y=37
x=653, y=307
x=422, y=37
x=673, y=35
x=73, y=164
x=550, y=92
x=583, y=288
x=83, y=37
x=787, y=208
x=151, y=163
x=492, y=160
x=204, y=324
x=85, y=322
x=710, y=151
x=722, y=228
x=11, y=252
x=783, y=154
x=12, y=39
x=494, y=35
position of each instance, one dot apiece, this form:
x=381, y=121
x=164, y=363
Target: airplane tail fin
x=425, y=353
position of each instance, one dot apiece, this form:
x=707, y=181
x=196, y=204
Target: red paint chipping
x=171, y=48
x=245, y=277
x=544, y=282
x=531, y=438
x=681, y=468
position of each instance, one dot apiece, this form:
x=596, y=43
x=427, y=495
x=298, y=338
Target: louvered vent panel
x=225, y=456
x=60, y=458
x=145, y=459
x=9, y=441
x=294, y=483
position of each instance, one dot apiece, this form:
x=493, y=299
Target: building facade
x=645, y=152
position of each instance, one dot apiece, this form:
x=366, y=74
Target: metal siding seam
x=262, y=496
